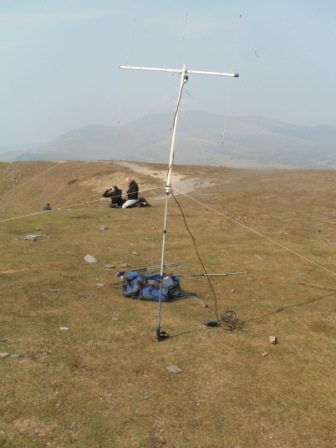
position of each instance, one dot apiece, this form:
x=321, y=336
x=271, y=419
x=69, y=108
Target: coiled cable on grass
x=228, y=320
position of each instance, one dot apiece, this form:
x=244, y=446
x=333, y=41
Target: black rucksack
x=142, y=203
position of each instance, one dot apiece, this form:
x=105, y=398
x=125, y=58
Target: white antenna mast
x=160, y=335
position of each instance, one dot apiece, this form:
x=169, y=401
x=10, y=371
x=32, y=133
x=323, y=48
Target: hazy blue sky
x=59, y=61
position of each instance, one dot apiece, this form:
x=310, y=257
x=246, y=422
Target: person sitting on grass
x=47, y=207
x=116, y=196
x=132, y=193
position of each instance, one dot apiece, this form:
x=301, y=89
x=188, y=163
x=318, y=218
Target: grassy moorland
x=90, y=373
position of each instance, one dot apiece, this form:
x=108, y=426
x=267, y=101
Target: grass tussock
x=90, y=373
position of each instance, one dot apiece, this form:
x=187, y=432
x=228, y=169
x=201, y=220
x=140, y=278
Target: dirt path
x=179, y=184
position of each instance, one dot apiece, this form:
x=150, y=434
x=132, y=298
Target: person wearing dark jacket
x=132, y=193
x=116, y=196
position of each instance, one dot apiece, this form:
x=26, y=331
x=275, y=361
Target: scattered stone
x=264, y=354
x=35, y=237
x=233, y=290
x=147, y=396
x=4, y=354
x=135, y=253
x=3, y=340
x=14, y=356
x=115, y=318
x=109, y=266
x=173, y=369
x=124, y=265
x=90, y=259
x=103, y=227
x=273, y=340
x=54, y=289
x=64, y=328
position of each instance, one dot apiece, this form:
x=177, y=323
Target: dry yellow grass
x=103, y=382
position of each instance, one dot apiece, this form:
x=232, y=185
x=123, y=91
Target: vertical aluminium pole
x=184, y=78
x=160, y=335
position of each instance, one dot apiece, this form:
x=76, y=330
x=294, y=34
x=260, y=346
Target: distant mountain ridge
x=249, y=142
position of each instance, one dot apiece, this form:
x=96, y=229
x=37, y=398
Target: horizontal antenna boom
x=178, y=70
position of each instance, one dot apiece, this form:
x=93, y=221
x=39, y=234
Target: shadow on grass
x=295, y=305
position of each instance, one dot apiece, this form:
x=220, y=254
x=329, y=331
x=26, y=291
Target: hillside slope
x=248, y=142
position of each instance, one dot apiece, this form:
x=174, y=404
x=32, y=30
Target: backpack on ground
x=142, y=202
x=147, y=286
